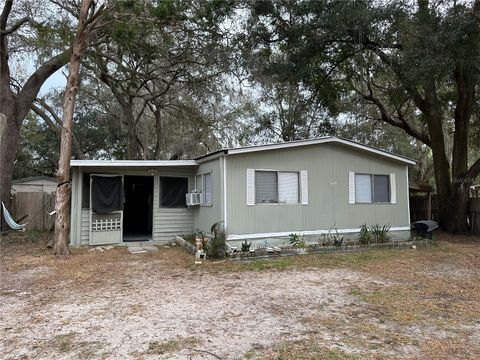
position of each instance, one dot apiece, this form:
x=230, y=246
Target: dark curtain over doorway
x=106, y=193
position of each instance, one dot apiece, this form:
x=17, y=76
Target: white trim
x=210, y=157
x=132, y=163
x=331, y=139
x=408, y=198
x=307, y=232
x=224, y=192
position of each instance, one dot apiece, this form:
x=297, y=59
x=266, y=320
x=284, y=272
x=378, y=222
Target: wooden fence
x=33, y=207
x=425, y=207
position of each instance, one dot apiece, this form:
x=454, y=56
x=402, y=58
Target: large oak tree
x=16, y=97
x=395, y=56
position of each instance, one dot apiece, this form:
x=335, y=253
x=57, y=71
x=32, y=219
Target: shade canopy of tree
x=416, y=64
x=175, y=79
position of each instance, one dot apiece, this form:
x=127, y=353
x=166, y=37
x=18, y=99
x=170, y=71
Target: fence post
x=429, y=206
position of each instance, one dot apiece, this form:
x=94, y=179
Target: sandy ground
x=113, y=305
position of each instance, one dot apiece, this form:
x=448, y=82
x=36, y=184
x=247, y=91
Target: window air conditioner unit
x=193, y=198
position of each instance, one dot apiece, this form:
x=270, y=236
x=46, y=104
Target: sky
x=56, y=81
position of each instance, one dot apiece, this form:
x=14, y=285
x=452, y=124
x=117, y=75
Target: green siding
x=328, y=166
x=206, y=216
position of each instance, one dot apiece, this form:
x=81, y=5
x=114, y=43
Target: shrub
x=246, y=246
x=380, y=234
x=216, y=246
x=365, y=236
x=297, y=240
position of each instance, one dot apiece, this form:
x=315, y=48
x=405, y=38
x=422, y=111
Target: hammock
x=10, y=220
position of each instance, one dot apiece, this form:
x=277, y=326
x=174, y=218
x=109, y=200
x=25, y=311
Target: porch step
x=136, y=250
x=141, y=249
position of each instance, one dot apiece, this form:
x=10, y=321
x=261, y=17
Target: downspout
x=408, y=197
x=224, y=168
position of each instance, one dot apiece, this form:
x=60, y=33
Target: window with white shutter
x=372, y=188
x=272, y=187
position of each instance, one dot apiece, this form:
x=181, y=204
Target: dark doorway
x=138, y=208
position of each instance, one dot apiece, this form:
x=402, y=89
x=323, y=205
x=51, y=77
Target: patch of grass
x=88, y=349
x=170, y=346
x=64, y=343
x=354, y=260
x=308, y=349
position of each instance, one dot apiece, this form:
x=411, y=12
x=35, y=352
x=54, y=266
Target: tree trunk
x=15, y=106
x=9, y=133
x=134, y=147
x=158, y=133
x=455, y=220
x=62, y=220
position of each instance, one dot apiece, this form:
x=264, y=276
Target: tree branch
x=15, y=26
x=30, y=90
x=386, y=117
x=474, y=170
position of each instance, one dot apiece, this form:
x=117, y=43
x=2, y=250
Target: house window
x=203, y=184
x=207, y=189
x=172, y=191
x=372, y=188
x=276, y=187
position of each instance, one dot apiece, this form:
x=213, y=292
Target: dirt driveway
x=422, y=303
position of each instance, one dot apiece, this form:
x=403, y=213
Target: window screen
x=198, y=183
x=207, y=193
x=172, y=191
x=288, y=187
x=381, y=188
x=266, y=187
x=363, y=188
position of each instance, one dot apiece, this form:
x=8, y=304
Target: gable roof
x=298, y=143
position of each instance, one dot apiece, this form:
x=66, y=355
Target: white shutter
x=250, y=187
x=304, y=187
x=351, y=187
x=393, y=189
x=288, y=187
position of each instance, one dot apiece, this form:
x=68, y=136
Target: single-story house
x=46, y=184
x=258, y=192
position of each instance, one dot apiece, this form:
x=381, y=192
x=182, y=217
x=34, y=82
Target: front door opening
x=138, y=208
